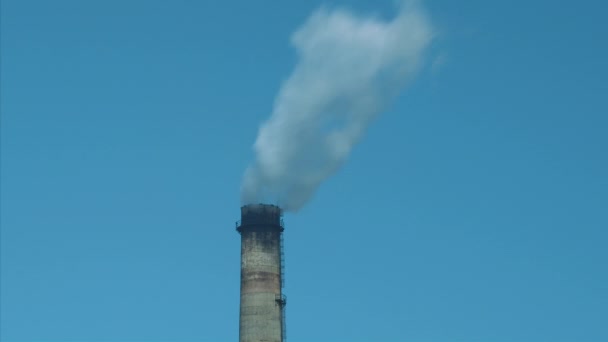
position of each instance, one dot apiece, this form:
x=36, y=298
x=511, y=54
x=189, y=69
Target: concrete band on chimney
x=262, y=301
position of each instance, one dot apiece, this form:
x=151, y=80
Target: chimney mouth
x=260, y=217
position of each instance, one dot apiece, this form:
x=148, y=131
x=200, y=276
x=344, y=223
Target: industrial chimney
x=262, y=315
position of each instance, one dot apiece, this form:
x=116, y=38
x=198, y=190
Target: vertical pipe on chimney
x=262, y=301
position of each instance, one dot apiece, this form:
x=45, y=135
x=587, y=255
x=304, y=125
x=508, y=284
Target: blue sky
x=473, y=210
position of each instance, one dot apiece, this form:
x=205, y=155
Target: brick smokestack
x=262, y=300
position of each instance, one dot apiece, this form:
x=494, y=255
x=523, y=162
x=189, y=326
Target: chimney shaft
x=262, y=301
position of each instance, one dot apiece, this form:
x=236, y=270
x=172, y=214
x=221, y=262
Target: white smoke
x=349, y=69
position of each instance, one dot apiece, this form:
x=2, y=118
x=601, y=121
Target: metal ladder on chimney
x=282, y=299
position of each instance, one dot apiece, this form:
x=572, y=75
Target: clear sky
x=475, y=208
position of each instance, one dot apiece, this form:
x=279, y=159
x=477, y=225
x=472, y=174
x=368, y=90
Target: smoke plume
x=349, y=68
